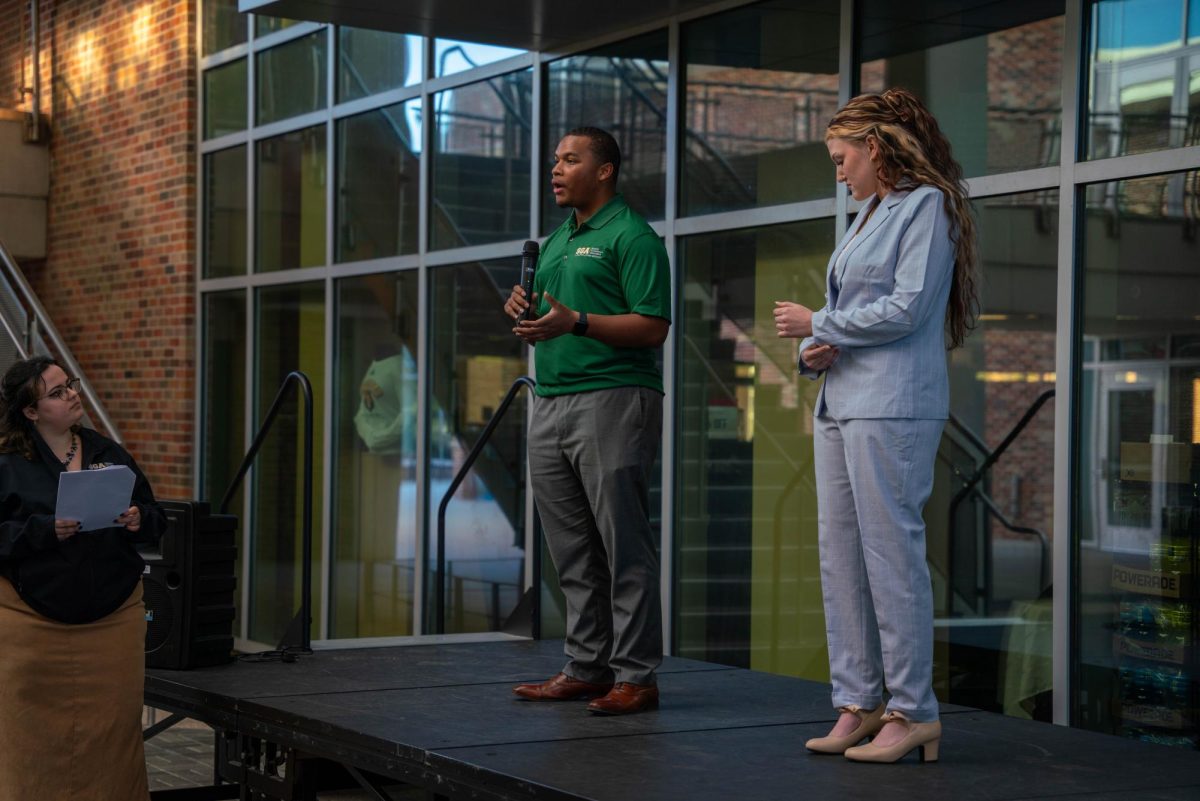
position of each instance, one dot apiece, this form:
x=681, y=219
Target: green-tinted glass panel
x=264, y=25
x=374, y=528
x=474, y=358
x=225, y=213
x=1138, y=519
x=1144, y=87
x=621, y=88
x=990, y=552
x=223, y=25
x=451, y=56
x=289, y=335
x=378, y=191
x=225, y=99
x=375, y=61
x=481, y=162
x=223, y=400
x=290, y=201
x=291, y=78
x=747, y=589
x=761, y=84
x=991, y=74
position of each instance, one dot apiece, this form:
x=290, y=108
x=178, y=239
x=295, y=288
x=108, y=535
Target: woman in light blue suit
x=900, y=288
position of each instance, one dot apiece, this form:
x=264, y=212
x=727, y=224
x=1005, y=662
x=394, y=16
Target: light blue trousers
x=873, y=479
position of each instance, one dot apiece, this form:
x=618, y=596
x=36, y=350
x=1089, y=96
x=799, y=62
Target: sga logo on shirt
x=593, y=253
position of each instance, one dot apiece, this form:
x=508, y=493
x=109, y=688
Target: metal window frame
x=1069, y=177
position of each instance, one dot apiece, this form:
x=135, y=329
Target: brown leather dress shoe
x=625, y=699
x=560, y=688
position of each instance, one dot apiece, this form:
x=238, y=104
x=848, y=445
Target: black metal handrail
x=970, y=486
x=459, y=477
x=299, y=379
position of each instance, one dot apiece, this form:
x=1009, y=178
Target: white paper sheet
x=94, y=497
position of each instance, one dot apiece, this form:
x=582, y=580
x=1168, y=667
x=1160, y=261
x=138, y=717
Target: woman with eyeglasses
x=72, y=621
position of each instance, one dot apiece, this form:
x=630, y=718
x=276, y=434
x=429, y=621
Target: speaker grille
x=159, y=614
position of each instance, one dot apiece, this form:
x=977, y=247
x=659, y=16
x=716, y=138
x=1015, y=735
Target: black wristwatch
x=580, y=329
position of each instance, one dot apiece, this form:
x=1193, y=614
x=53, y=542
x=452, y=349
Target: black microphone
x=529, y=257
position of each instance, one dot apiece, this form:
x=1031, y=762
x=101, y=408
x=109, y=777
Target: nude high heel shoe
x=923, y=736
x=870, y=721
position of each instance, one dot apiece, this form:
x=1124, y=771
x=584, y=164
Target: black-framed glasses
x=60, y=392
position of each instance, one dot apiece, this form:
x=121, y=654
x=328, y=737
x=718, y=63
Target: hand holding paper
x=96, y=498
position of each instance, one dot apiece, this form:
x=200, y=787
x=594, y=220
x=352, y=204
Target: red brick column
x=119, y=278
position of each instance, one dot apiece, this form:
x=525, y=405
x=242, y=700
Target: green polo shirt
x=612, y=264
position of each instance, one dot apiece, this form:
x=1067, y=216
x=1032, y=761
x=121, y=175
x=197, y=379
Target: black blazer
x=89, y=575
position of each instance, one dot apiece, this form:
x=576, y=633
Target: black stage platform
x=443, y=717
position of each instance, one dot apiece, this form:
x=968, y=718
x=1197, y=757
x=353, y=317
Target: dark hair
x=603, y=145
x=913, y=150
x=21, y=387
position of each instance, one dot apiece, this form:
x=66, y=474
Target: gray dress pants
x=590, y=457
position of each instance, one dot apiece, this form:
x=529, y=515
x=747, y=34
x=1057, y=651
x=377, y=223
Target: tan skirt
x=71, y=704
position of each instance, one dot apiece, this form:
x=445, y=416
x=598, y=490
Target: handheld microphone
x=529, y=257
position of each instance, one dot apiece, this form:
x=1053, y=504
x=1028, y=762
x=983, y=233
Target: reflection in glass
x=223, y=26
x=291, y=78
x=481, y=162
x=225, y=213
x=375, y=61
x=474, y=359
x=621, y=88
x=225, y=99
x=1144, y=92
x=990, y=549
x=224, y=397
x=1139, y=461
x=747, y=588
x=451, y=56
x=290, y=335
x=378, y=182
x=375, y=428
x=264, y=25
x=991, y=74
x=761, y=85
x=290, y=201
x=223, y=401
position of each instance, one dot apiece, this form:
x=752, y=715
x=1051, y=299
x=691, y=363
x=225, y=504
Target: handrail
x=970, y=485
x=300, y=380
x=477, y=449
x=26, y=293
x=995, y=455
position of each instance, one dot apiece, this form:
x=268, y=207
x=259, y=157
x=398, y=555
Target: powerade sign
x=1153, y=582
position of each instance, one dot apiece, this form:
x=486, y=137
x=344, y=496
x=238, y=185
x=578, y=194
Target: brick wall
x=119, y=277
x=12, y=32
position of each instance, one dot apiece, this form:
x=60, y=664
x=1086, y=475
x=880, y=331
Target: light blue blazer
x=886, y=309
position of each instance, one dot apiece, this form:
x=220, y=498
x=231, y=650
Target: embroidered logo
x=591, y=253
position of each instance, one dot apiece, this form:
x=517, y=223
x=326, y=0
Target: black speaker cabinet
x=188, y=588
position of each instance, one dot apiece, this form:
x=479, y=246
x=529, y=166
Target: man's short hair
x=603, y=145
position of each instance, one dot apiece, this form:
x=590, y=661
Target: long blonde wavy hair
x=913, y=150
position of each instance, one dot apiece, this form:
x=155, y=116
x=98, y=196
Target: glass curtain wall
x=374, y=528
x=761, y=84
x=392, y=277
x=991, y=74
x=474, y=359
x=1138, y=506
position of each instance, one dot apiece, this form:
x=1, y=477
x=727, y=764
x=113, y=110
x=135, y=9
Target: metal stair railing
x=971, y=487
x=459, y=477
x=300, y=380
x=39, y=327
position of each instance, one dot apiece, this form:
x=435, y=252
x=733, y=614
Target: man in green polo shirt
x=603, y=307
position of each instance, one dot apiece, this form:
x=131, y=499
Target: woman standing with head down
x=900, y=288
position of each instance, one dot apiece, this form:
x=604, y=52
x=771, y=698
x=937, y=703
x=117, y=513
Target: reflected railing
x=976, y=593
x=533, y=597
